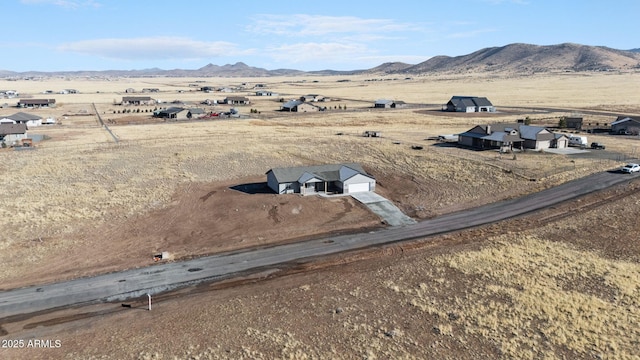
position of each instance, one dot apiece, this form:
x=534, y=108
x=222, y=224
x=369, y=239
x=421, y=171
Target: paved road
x=158, y=278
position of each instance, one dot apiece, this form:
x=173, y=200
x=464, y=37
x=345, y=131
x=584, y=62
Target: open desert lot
x=93, y=198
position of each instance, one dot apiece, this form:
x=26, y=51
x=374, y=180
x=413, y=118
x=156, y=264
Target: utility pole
x=149, y=295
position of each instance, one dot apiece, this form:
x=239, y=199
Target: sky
x=70, y=35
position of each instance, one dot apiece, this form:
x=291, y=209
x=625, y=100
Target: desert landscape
x=109, y=186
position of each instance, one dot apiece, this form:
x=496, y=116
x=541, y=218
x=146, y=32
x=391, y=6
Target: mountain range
x=513, y=58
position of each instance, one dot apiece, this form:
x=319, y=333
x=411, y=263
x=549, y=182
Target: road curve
x=154, y=279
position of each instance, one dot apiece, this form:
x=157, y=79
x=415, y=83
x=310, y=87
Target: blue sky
x=63, y=35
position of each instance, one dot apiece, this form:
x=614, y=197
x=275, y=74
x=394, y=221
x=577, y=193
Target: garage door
x=358, y=187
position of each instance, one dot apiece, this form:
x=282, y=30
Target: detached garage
x=327, y=179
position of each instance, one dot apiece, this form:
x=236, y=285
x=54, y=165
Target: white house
x=10, y=134
x=22, y=118
x=331, y=179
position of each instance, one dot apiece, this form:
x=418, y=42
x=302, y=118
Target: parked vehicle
x=580, y=141
x=597, y=146
x=630, y=168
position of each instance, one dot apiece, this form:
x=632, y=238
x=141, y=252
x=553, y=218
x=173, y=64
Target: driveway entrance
x=383, y=208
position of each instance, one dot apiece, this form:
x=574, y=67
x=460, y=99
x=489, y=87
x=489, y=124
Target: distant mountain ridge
x=527, y=58
x=514, y=58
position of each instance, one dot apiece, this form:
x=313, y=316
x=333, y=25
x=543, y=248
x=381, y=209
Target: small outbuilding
x=328, y=179
x=573, y=123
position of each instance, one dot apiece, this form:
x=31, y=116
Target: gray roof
x=558, y=135
x=136, y=98
x=383, y=101
x=37, y=101
x=534, y=133
x=171, y=110
x=10, y=129
x=623, y=120
x=291, y=104
x=330, y=172
x=468, y=101
x=21, y=116
x=502, y=137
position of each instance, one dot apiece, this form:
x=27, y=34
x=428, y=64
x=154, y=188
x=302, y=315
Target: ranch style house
x=469, y=104
x=327, y=179
x=137, y=100
x=36, y=103
x=22, y=118
x=388, y=104
x=509, y=136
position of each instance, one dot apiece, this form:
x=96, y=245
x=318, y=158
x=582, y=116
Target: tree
x=527, y=120
x=562, y=123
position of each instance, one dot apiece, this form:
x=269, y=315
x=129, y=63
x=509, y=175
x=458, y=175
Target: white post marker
x=149, y=295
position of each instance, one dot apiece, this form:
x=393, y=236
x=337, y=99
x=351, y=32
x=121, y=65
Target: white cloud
x=152, y=48
x=69, y=4
x=313, y=52
x=316, y=25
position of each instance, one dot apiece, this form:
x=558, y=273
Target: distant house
x=8, y=94
x=299, y=106
x=291, y=105
x=22, y=118
x=137, y=100
x=469, y=104
x=388, y=104
x=68, y=91
x=150, y=90
x=236, y=100
x=332, y=178
x=10, y=134
x=265, y=93
x=573, y=123
x=179, y=113
x=36, y=103
x=311, y=97
x=508, y=136
x=625, y=125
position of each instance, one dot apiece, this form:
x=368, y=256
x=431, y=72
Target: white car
x=630, y=168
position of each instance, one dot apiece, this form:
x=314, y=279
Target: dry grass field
x=82, y=203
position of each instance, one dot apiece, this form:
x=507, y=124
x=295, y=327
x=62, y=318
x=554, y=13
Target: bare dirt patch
x=201, y=219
